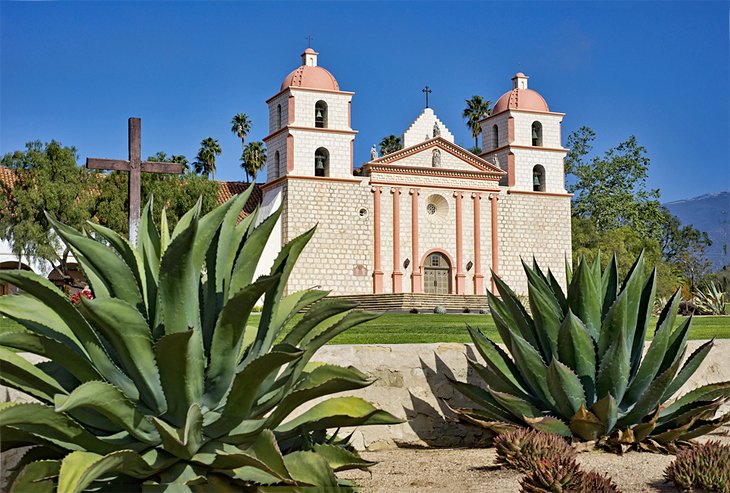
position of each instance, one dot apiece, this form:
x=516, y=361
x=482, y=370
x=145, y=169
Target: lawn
x=406, y=328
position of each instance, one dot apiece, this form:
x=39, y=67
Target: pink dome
x=520, y=99
x=311, y=78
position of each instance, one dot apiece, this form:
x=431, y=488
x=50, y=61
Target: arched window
x=278, y=116
x=538, y=178
x=277, y=169
x=321, y=162
x=320, y=114
x=495, y=136
x=537, y=134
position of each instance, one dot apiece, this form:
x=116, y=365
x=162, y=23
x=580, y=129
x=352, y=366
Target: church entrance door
x=437, y=274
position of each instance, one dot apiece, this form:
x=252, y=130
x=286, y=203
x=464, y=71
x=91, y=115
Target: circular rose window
x=437, y=207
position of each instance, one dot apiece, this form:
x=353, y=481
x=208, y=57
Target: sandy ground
x=472, y=470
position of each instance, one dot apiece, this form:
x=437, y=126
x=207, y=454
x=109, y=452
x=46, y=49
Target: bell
x=534, y=133
x=536, y=180
x=320, y=163
x=319, y=113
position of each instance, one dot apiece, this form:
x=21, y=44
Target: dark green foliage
x=575, y=363
x=704, y=466
x=523, y=449
x=389, y=144
x=160, y=383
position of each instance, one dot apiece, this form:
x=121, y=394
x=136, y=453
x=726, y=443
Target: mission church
x=429, y=218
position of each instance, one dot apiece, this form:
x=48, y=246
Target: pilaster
x=460, y=276
x=397, y=274
x=416, y=279
x=377, y=269
x=478, y=277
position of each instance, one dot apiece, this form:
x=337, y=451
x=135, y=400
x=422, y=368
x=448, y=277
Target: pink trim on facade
x=307, y=129
x=488, y=153
x=290, y=112
x=305, y=89
x=352, y=156
x=422, y=264
x=518, y=110
x=460, y=276
x=511, y=173
x=396, y=184
x=495, y=238
x=397, y=274
x=391, y=169
x=478, y=277
x=377, y=269
x=511, y=129
x=546, y=194
x=416, y=279
x=315, y=178
x=289, y=153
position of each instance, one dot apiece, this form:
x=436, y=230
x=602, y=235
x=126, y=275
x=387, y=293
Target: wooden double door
x=437, y=274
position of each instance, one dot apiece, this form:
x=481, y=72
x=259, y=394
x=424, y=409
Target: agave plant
x=576, y=366
x=161, y=382
x=711, y=300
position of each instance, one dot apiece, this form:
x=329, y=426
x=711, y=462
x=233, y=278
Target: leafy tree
x=241, y=126
x=46, y=179
x=389, y=144
x=477, y=108
x=476, y=150
x=162, y=157
x=676, y=238
x=253, y=159
x=611, y=189
x=205, y=160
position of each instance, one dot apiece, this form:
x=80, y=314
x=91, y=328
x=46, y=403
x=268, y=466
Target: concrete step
x=404, y=302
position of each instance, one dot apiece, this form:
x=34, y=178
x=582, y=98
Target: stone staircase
x=423, y=302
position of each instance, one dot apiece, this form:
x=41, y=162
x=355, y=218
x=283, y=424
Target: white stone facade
x=365, y=232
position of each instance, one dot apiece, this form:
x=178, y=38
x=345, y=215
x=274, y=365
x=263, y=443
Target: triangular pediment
x=451, y=158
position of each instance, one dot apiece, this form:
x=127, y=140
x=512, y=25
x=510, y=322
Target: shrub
x=576, y=366
x=466, y=310
x=705, y=466
x=159, y=383
x=524, y=448
x=413, y=310
x=549, y=476
x=439, y=310
x=710, y=300
x=483, y=311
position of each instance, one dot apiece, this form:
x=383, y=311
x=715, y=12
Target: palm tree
x=389, y=144
x=253, y=159
x=205, y=160
x=476, y=109
x=180, y=159
x=162, y=157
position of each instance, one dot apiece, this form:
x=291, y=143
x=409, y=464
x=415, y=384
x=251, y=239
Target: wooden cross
x=427, y=90
x=135, y=166
x=309, y=40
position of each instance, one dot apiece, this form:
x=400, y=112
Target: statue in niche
x=436, y=130
x=436, y=158
x=373, y=153
x=496, y=161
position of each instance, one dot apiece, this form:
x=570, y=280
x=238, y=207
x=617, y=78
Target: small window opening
x=277, y=169
x=537, y=134
x=538, y=178
x=278, y=116
x=320, y=114
x=495, y=136
x=321, y=162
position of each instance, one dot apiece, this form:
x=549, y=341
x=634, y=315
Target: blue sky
x=76, y=71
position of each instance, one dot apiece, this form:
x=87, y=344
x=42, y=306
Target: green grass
x=406, y=328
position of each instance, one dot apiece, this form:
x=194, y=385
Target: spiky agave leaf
x=575, y=364
x=162, y=380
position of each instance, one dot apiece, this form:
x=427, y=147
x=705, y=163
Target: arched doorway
x=437, y=274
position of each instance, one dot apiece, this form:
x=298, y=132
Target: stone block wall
x=282, y=100
x=552, y=161
x=422, y=129
x=339, y=146
x=337, y=108
x=343, y=240
x=533, y=224
x=550, y=128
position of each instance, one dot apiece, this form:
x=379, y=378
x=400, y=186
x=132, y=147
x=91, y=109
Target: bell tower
x=310, y=133
x=523, y=137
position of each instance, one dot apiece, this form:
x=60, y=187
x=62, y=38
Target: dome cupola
x=520, y=97
x=309, y=75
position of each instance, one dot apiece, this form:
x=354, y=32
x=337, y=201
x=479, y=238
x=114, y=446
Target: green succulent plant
x=576, y=364
x=523, y=448
x=553, y=477
x=705, y=466
x=161, y=382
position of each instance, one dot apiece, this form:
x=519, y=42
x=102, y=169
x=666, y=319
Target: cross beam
x=135, y=166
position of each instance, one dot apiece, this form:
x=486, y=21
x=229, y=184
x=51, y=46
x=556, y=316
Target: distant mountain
x=709, y=213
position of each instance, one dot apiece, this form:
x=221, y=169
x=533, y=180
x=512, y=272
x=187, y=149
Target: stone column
x=460, y=276
x=416, y=283
x=397, y=274
x=493, y=197
x=478, y=277
x=377, y=269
